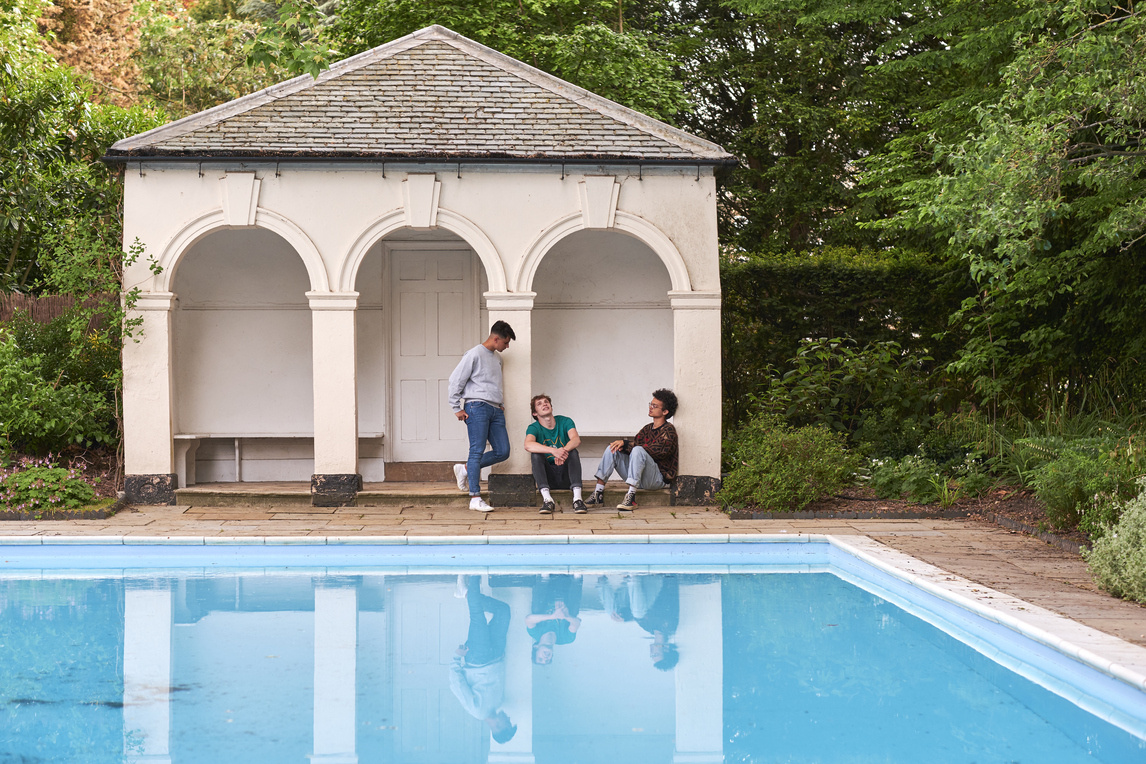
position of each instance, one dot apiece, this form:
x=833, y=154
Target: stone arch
x=198, y=227
x=450, y=221
x=626, y=223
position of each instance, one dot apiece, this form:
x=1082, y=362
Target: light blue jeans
x=636, y=468
x=484, y=423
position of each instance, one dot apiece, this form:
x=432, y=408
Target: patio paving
x=1018, y=565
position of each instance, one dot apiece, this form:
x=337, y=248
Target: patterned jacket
x=661, y=444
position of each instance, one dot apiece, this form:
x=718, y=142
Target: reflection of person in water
x=653, y=601
x=553, y=620
x=477, y=675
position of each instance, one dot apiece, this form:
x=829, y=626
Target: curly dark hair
x=668, y=400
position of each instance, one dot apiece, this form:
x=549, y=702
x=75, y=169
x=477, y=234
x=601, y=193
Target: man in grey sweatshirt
x=476, y=382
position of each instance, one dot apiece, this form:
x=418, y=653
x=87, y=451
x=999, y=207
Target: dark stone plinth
x=150, y=489
x=694, y=491
x=512, y=491
x=335, y=490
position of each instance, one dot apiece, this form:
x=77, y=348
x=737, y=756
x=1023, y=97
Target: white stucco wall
x=241, y=245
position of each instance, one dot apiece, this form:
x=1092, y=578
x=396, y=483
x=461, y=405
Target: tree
x=52, y=135
x=1037, y=182
x=791, y=89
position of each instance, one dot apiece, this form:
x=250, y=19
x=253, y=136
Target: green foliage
x=38, y=413
x=295, y=39
x=1118, y=559
x=836, y=385
x=623, y=56
x=189, y=61
x=1028, y=165
x=780, y=468
x=792, y=92
x=913, y=477
x=1070, y=482
x=39, y=485
x=772, y=301
x=51, y=137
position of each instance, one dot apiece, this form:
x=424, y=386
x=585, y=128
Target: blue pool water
x=660, y=653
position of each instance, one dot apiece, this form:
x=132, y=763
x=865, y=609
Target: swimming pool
x=808, y=649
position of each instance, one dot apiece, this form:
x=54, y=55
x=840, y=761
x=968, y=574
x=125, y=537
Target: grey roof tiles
x=432, y=94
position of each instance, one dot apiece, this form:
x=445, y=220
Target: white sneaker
x=479, y=504
x=462, y=587
x=462, y=477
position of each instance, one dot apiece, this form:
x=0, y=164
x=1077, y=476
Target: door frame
x=390, y=314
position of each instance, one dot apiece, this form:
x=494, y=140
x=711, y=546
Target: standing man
x=648, y=461
x=477, y=382
x=552, y=445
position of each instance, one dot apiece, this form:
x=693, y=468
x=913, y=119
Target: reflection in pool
x=609, y=666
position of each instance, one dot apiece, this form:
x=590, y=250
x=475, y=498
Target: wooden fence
x=42, y=309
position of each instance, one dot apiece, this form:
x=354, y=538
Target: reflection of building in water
x=356, y=669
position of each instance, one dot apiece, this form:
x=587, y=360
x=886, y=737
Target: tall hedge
x=772, y=302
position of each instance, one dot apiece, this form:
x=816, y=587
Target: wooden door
x=434, y=321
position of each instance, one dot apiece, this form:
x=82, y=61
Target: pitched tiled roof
x=432, y=94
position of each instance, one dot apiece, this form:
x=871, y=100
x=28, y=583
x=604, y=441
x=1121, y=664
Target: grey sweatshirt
x=477, y=377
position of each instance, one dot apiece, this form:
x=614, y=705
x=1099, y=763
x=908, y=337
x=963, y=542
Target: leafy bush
x=40, y=484
x=1118, y=559
x=834, y=384
x=916, y=478
x=39, y=414
x=1071, y=482
x=780, y=468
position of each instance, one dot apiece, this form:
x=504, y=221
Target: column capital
x=333, y=300
x=509, y=300
x=694, y=300
x=154, y=301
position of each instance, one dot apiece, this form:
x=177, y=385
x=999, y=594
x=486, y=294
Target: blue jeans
x=636, y=468
x=485, y=639
x=484, y=423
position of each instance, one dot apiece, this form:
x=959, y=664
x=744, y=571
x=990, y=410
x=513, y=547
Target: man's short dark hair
x=503, y=330
x=667, y=399
x=505, y=734
x=671, y=654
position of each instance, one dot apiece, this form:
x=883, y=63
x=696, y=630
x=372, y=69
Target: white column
x=335, y=689
x=518, y=703
x=147, y=615
x=696, y=380
x=516, y=309
x=148, y=415
x=700, y=676
x=335, y=382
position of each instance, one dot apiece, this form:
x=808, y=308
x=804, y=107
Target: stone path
x=984, y=553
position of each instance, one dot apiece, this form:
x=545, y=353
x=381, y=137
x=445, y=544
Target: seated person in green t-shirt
x=553, y=619
x=552, y=444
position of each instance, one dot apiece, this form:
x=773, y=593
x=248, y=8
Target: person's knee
x=638, y=450
x=537, y=459
x=499, y=452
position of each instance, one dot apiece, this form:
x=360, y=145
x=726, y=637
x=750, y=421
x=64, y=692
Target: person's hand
x=560, y=610
x=616, y=445
x=461, y=415
x=462, y=650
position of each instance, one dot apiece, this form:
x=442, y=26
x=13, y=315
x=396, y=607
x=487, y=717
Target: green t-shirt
x=555, y=438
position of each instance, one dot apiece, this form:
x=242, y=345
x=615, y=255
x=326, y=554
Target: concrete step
x=391, y=494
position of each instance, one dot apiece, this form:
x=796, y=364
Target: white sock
x=632, y=491
x=546, y=495
x=576, y=493
x=600, y=487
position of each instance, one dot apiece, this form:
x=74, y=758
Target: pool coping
x=1103, y=652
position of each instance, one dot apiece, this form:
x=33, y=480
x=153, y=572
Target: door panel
x=435, y=323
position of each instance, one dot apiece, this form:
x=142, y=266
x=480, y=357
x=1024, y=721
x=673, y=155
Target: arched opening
x=241, y=357
x=602, y=333
x=419, y=309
